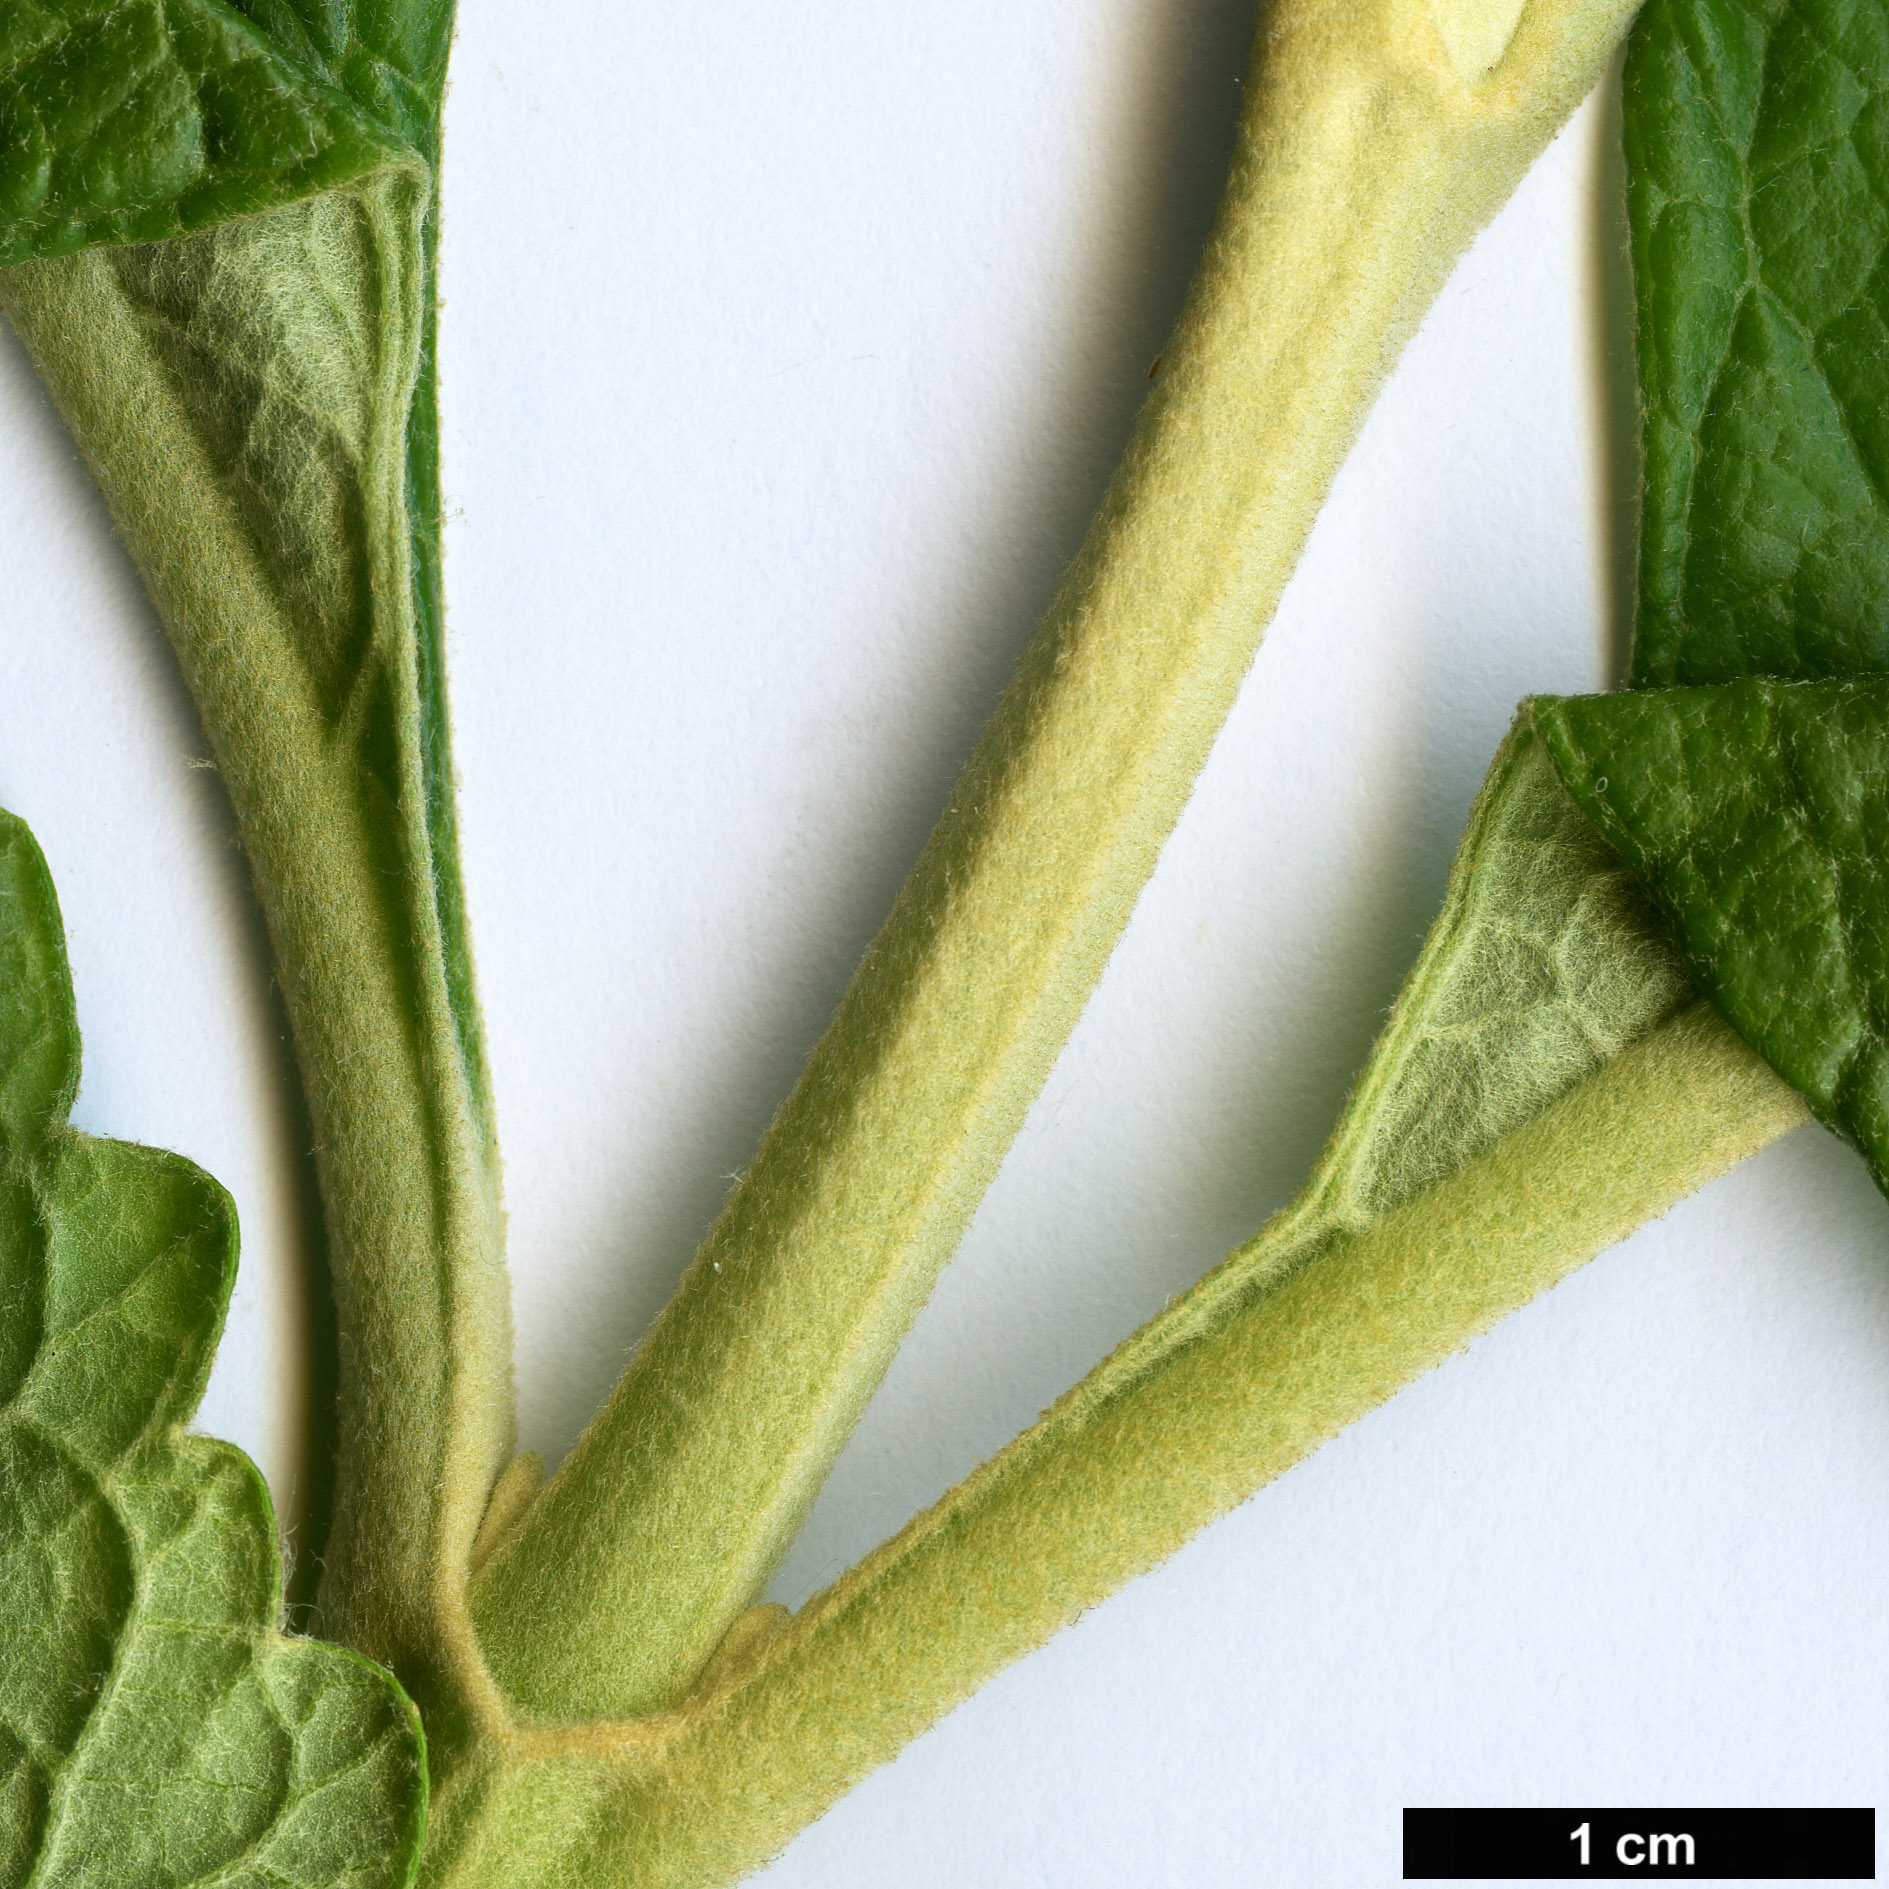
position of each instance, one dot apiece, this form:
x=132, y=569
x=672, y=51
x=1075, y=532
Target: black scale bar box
x=1583, y=1845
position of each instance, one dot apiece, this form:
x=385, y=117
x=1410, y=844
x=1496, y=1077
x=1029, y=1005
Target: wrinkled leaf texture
x=1745, y=770
x=156, y=1730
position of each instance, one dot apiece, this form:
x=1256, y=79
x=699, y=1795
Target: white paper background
x=784, y=356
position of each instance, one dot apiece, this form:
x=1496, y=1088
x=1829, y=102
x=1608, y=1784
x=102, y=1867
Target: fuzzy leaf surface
x=390, y=58
x=156, y=1731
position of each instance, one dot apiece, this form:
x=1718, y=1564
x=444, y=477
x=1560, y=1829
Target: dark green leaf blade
x=389, y=56
x=1745, y=772
x=1759, y=813
x=1758, y=150
x=156, y=1730
x=133, y=121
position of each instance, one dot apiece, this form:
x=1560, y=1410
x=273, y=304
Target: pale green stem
x=1271, y=1354
x=331, y=804
x=1378, y=136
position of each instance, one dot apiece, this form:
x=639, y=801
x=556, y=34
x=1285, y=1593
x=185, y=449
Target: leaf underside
x=156, y=1730
x=226, y=149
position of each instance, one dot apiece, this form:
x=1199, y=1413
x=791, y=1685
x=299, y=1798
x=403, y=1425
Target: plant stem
x=1376, y=140
x=329, y=786
x=1274, y=1352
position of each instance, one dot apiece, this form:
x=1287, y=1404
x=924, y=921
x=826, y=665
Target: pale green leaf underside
x=267, y=233
x=1546, y=960
x=138, y=121
x=288, y=337
x=156, y=1730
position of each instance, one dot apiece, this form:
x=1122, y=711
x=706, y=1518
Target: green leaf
x=1757, y=137
x=155, y=1729
x=1758, y=144
x=130, y=121
x=389, y=57
x=1758, y=812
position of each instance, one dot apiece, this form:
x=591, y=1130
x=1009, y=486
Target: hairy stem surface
x=301, y=653
x=1377, y=139
x=1273, y=1353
